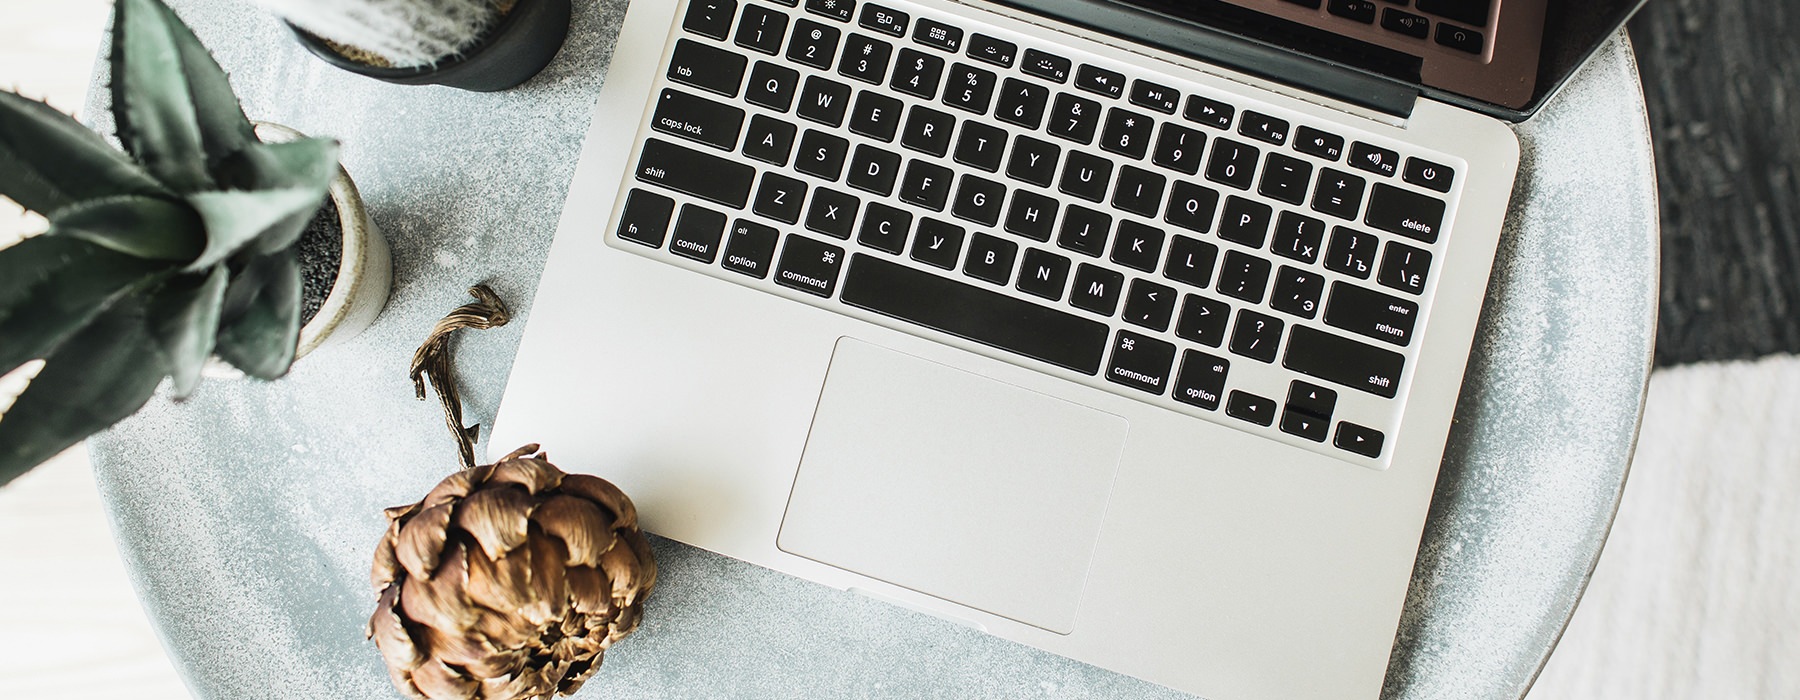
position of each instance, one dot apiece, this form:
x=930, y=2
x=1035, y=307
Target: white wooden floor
x=1697, y=597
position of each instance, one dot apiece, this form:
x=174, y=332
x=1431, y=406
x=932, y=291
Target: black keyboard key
x=769, y=140
x=646, y=218
x=1311, y=399
x=928, y=131
x=1245, y=222
x=875, y=115
x=1357, y=439
x=1202, y=379
x=832, y=213
x=697, y=234
x=1250, y=407
x=979, y=200
x=1086, y=176
x=1043, y=274
x=1074, y=118
x=1298, y=237
x=1138, y=246
x=840, y=10
x=990, y=258
x=1285, y=178
x=1139, y=191
x=1297, y=292
x=991, y=50
x=1460, y=39
x=698, y=119
x=884, y=20
x=917, y=74
x=981, y=146
x=1407, y=23
x=938, y=35
x=1429, y=175
x=762, y=29
x=865, y=58
x=1191, y=206
x=1352, y=252
x=1340, y=194
x=813, y=44
x=822, y=155
x=1305, y=426
x=1100, y=81
x=1031, y=215
x=873, y=170
x=710, y=18
x=1314, y=142
x=1096, y=289
x=1232, y=164
x=1150, y=305
x=809, y=266
x=1244, y=276
x=969, y=88
x=926, y=184
x=1311, y=4
x=1191, y=261
x=1203, y=320
x=1033, y=161
x=691, y=172
x=1405, y=268
x=779, y=197
x=1407, y=213
x=1022, y=103
x=966, y=311
x=1161, y=98
x=751, y=248
x=939, y=243
x=1263, y=127
x=885, y=228
x=1210, y=112
x=772, y=86
x=1084, y=231
x=1343, y=361
x=1127, y=133
x=1141, y=362
x=1357, y=10
x=1375, y=159
x=1473, y=12
x=1178, y=148
x=1044, y=65
x=824, y=101
x=1256, y=336
x=706, y=67
x=1371, y=313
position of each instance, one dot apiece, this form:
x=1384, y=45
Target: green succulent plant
x=179, y=249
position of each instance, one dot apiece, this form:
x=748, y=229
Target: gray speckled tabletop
x=248, y=514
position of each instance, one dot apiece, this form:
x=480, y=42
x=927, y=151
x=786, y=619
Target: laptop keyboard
x=1183, y=245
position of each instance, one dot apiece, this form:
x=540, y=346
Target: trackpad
x=954, y=485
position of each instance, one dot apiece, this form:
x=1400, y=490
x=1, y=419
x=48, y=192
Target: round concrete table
x=248, y=514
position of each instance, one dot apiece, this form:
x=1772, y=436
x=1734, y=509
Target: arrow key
x=1296, y=423
x=1355, y=438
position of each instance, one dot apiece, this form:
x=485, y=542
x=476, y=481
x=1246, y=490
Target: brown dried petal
x=589, y=592
x=422, y=541
x=621, y=565
x=604, y=493
x=386, y=565
x=502, y=585
x=472, y=653
x=502, y=630
x=548, y=582
x=456, y=486
x=537, y=476
x=403, y=682
x=390, y=634
x=583, y=528
x=497, y=517
x=440, y=682
x=439, y=603
x=640, y=546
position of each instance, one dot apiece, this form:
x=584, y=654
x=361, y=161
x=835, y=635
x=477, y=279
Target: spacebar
x=966, y=311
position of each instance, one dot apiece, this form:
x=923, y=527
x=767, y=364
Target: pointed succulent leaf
x=223, y=128
x=234, y=219
x=49, y=161
x=144, y=227
x=260, y=329
x=103, y=374
x=184, y=322
x=308, y=162
x=154, y=99
x=51, y=286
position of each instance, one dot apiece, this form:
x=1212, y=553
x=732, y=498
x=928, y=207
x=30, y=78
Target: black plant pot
x=513, y=51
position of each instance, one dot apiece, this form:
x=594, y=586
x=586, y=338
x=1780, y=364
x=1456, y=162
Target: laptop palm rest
x=954, y=485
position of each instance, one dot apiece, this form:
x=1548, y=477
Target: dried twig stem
x=434, y=361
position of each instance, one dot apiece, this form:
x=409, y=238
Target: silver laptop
x=1127, y=329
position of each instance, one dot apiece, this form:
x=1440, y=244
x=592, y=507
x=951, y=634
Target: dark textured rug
x=1722, y=78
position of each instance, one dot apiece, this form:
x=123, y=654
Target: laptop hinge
x=1323, y=77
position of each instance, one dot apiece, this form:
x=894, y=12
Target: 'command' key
x=809, y=266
